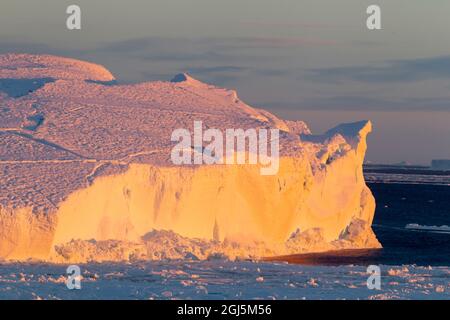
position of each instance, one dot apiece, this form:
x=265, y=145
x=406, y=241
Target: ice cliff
x=85, y=173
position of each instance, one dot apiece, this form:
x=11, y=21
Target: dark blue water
x=402, y=204
x=397, y=206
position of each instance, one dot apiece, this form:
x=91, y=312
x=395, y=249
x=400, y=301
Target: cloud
x=296, y=25
x=211, y=60
x=273, y=72
x=164, y=49
x=282, y=42
x=217, y=69
x=390, y=71
x=7, y=46
x=81, y=53
x=361, y=103
x=12, y=47
x=205, y=48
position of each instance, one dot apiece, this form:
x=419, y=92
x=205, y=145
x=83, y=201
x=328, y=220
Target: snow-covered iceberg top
x=87, y=175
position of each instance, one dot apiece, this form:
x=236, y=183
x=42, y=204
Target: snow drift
x=86, y=174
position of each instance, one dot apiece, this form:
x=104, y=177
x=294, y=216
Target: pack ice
x=85, y=173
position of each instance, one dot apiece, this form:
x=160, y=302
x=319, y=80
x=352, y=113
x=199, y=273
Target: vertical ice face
x=84, y=159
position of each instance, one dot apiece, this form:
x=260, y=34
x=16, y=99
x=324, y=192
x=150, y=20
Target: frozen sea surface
x=222, y=280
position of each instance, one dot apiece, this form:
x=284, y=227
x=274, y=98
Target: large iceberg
x=86, y=175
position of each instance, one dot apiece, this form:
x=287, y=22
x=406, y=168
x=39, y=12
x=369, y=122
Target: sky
x=311, y=60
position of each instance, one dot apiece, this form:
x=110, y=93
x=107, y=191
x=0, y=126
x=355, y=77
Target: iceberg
x=86, y=174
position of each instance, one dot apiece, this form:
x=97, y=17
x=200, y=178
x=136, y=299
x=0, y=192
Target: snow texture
x=218, y=279
x=86, y=174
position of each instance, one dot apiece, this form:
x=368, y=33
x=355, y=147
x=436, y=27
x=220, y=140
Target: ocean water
x=401, y=204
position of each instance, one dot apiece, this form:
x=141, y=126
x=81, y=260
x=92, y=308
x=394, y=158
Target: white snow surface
x=86, y=174
x=219, y=279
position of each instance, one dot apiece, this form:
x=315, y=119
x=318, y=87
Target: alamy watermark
x=374, y=279
x=73, y=21
x=241, y=147
x=73, y=277
x=373, y=21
